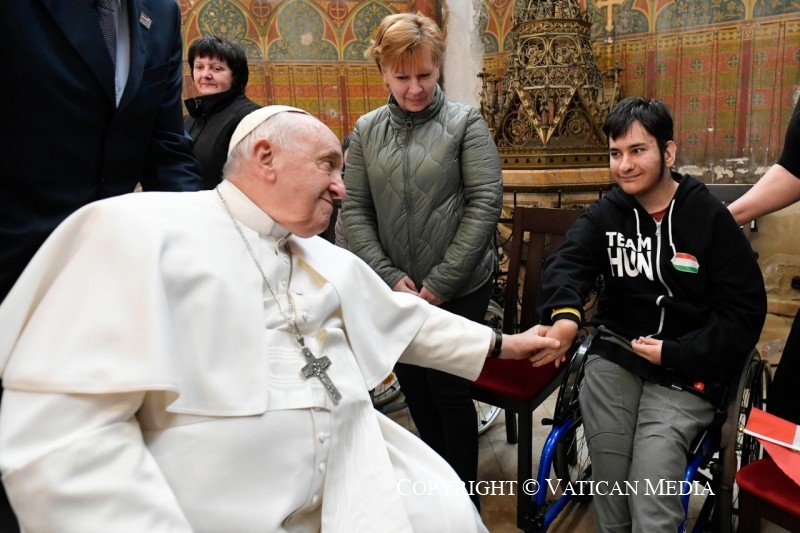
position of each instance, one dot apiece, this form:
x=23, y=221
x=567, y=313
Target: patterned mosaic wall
x=308, y=54
x=729, y=69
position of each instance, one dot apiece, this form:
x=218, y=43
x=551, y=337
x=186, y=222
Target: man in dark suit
x=92, y=107
x=70, y=137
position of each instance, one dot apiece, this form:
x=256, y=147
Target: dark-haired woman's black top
x=210, y=123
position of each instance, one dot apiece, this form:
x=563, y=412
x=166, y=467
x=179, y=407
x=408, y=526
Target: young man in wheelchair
x=683, y=304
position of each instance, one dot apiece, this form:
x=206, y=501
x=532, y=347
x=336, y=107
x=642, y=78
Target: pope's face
x=309, y=179
x=412, y=83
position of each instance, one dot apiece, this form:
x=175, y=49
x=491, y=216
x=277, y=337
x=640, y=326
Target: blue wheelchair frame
x=551, y=509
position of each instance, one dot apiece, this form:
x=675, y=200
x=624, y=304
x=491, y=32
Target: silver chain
x=291, y=317
x=315, y=367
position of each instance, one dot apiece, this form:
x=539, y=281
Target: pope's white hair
x=281, y=130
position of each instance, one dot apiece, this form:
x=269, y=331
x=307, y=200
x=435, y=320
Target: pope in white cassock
x=201, y=362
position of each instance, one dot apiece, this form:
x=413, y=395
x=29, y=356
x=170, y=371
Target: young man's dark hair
x=231, y=52
x=653, y=115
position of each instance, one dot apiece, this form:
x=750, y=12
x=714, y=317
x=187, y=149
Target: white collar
x=248, y=213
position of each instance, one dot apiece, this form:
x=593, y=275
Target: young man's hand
x=648, y=348
x=564, y=331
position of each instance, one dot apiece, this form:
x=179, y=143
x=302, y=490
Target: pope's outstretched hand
x=528, y=344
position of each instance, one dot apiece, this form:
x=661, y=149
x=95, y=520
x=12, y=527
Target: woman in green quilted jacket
x=424, y=194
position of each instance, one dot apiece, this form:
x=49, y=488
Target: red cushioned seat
x=765, y=491
x=516, y=379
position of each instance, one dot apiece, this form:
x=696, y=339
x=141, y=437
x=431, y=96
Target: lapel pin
x=144, y=20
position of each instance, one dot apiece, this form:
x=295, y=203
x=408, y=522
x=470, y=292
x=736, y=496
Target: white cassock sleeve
x=450, y=343
x=77, y=463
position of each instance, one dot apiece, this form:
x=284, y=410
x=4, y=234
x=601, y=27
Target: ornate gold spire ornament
x=548, y=109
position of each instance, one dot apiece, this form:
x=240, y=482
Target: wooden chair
x=515, y=386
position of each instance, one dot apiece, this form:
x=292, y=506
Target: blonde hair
x=406, y=38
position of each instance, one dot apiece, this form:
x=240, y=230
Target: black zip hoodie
x=691, y=280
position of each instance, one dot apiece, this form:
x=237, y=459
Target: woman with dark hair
x=220, y=73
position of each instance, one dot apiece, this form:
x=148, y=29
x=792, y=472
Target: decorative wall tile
x=364, y=23
x=682, y=14
x=729, y=69
x=303, y=35
x=769, y=8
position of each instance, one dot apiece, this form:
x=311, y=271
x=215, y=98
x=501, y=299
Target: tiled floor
x=498, y=462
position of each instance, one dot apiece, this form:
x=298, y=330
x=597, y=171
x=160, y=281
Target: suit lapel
x=139, y=21
x=78, y=22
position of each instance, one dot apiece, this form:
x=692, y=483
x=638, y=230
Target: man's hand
x=564, y=331
x=527, y=344
x=406, y=285
x=648, y=348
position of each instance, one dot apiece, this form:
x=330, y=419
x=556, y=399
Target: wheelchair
x=714, y=457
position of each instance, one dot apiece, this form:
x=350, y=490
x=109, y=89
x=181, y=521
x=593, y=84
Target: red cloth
x=780, y=438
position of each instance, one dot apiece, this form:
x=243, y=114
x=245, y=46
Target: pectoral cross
x=315, y=367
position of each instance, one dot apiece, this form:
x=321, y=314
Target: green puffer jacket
x=424, y=194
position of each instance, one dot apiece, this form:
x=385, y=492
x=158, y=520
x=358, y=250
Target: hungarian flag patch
x=685, y=263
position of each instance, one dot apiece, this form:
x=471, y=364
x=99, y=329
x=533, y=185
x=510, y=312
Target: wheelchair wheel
x=494, y=315
x=721, y=512
x=739, y=449
x=571, y=461
x=486, y=415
